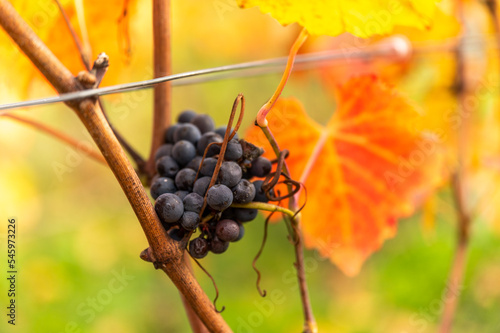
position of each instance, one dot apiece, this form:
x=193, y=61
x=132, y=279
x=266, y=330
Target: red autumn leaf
x=366, y=168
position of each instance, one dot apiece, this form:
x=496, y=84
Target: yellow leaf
x=363, y=18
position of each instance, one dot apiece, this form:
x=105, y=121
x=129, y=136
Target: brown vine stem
x=162, y=67
x=168, y=254
x=97, y=156
x=310, y=325
x=454, y=285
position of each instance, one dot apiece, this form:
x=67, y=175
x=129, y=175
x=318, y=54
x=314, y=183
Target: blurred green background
x=77, y=233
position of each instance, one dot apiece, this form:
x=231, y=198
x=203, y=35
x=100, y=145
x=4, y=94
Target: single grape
x=183, y=152
x=201, y=185
x=208, y=166
x=217, y=246
x=245, y=214
x=193, y=202
x=219, y=197
x=162, y=185
x=164, y=150
x=181, y=194
x=242, y=232
x=233, y=151
x=206, y=139
x=204, y=122
x=186, y=116
x=167, y=167
x=169, y=208
x=260, y=195
x=194, y=163
x=198, y=247
x=222, y=131
x=187, y=132
x=261, y=167
x=169, y=133
x=189, y=220
x=184, y=180
x=243, y=192
x=227, y=230
x=230, y=174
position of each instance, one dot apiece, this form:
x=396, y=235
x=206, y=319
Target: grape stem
x=310, y=325
x=167, y=254
x=266, y=207
x=264, y=110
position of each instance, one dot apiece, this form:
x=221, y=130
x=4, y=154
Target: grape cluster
x=183, y=179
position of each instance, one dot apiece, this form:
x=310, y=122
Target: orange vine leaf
x=362, y=171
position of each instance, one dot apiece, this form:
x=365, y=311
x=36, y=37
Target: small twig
x=83, y=56
x=162, y=67
x=96, y=155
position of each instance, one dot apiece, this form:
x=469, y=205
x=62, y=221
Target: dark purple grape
x=187, y=132
x=261, y=167
x=260, y=196
x=186, y=116
x=181, y=194
x=201, y=185
x=164, y=150
x=219, y=197
x=233, y=151
x=228, y=213
x=242, y=232
x=169, y=133
x=222, y=131
x=227, y=230
x=184, y=180
x=183, y=152
x=198, y=247
x=230, y=174
x=217, y=246
x=243, y=192
x=205, y=140
x=169, y=208
x=245, y=214
x=189, y=220
x=193, y=202
x=204, y=122
x=162, y=185
x=208, y=166
x=167, y=167
x=194, y=163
